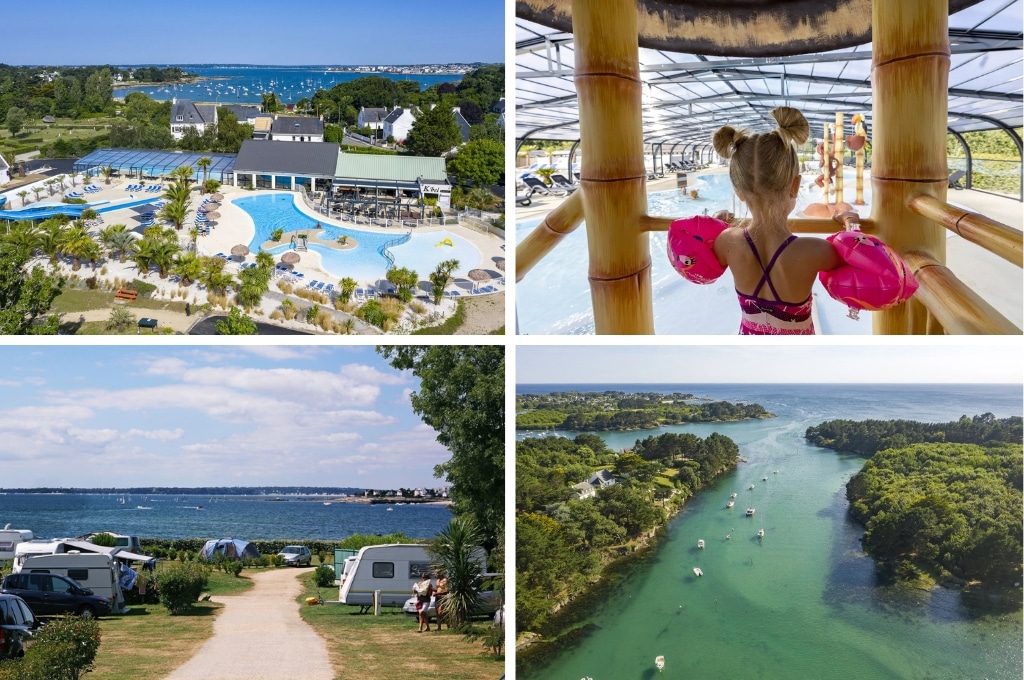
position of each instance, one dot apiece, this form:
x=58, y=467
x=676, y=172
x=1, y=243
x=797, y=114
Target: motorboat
x=659, y=662
x=326, y=503
x=697, y=571
x=700, y=544
x=728, y=536
x=730, y=504
x=751, y=487
x=764, y=479
x=750, y=512
x=760, y=533
x=733, y=495
x=390, y=509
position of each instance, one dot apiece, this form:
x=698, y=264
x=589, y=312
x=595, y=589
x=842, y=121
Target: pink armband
x=873, y=277
x=691, y=244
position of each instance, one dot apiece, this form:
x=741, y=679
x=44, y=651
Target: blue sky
x=232, y=416
x=66, y=32
x=646, y=363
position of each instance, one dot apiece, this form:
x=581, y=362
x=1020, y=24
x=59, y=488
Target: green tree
x=117, y=240
x=15, y=119
x=26, y=296
x=434, y=133
x=236, y=323
x=205, y=162
x=440, y=277
x=271, y=104
x=121, y=319
x=188, y=266
x=348, y=286
x=479, y=162
x=404, y=280
x=462, y=396
x=453, y=551
x=65, y=649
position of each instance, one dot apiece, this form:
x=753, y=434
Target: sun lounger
x=563, y=182
x=359, y=293
x=488, y=289
x=329, y=288
x=537, y=186
x=525, y=199
x=312, y=284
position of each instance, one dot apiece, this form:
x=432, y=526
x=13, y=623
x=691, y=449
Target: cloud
x=166, y=366
x=364, y=373
x=280, y=352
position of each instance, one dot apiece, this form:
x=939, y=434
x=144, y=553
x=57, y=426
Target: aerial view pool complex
x=422, y=252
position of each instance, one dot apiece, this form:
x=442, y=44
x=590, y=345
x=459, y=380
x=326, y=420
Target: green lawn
x=361, y=645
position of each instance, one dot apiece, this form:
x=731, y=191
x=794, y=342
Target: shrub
x=142, y=287
x=372, y=313
x=106, y=540
x=323, y=577
x=64, y=650
x=120, y=319
x=322, y=557
x=312, y=313
x=234, y=568
x=276, y=234
x=181, y=585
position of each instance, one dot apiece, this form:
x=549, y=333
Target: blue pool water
x=555, y=297
x=421, y=253
x=46, y=210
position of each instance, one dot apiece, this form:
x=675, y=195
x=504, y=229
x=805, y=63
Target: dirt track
x=260, y=635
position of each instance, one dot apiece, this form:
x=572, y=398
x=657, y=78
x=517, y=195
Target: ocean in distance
x=245, y=84
x=193, y=516
x=805, y=602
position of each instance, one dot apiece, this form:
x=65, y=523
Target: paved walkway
x=260, y=635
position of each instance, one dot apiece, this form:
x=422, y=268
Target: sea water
x=205, y=516
x=246, y=84
x=805, y=601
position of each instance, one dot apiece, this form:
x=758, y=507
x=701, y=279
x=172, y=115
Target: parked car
x=50, y=594
x=17, y=626
x=296, y=556
x=490, y=598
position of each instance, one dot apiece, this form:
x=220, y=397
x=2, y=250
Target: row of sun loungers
x=91, y=189
x=74, y=194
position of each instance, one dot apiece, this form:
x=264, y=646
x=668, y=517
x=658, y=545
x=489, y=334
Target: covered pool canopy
x=704, y=64
x=150, y=162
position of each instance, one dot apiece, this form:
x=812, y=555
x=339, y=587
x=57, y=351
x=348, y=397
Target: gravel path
x=260, y=635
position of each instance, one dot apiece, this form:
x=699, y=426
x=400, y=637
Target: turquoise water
x=245, y=84
x=555, y=297
x=421, y=253
x=805, y=601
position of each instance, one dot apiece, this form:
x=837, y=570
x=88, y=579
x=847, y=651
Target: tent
x=231, y=548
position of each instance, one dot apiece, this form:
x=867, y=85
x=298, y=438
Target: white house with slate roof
x=185, y=114
x=297, y=129
x=398, y=123
x=371, y=118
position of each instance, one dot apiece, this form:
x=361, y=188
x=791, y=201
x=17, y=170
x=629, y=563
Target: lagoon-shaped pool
x=422, y=253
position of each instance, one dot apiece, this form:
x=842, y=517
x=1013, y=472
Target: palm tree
x=60, y=182
x=22, y=194
x=91, y=251
x=264, y=260
x=204, y=162
x=142, y=253
x=482, y=199
x=454, y=550
x=188, y=266
x=117, y=240
x=107, y=171
x=23, y=235
x=348, y=286
x=440, y=277
x=50, y=239
x=75, y=243
x=178, y=192
x=163, y=256
x=183, y=174
x=49, y=185
x=88, y=214
x=193, y=237
x=73, y=176
x=217, y=281
x=37, y=191
x=175, y=212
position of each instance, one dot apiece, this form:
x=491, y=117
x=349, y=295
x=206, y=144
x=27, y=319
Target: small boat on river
x=751, y=487
x=659, y=662
x=750, y=512
x=700, y=544
x=730, y=504
x=760, y=533
x=697, y=571
x=733, y=495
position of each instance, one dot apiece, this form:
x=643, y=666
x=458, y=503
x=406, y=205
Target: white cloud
x=280, y=352
x=364, y=373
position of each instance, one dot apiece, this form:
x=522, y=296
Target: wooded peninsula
x=938, y=501
x=621, y=411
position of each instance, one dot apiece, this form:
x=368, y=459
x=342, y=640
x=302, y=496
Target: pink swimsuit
x=773, y=317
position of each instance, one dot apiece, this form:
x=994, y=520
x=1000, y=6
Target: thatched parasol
x=217, y=197
x=291, y=257
x=736, y=27
x=214, y=215
x=499, y=263
x=240, y=250
x=479, y=275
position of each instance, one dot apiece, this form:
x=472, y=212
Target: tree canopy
x=26, y=297
x=479, y=162
x=435, y=132
x=462, y=396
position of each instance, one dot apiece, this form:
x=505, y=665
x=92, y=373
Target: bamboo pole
x=859, y=130
x=910, y=72
x=613, y=179
x=826, y=171
x=560, y=222
x=953, y=306
x=840, y=124
x=996, y=237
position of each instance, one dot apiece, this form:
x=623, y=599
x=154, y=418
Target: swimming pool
x=422, y=253
x=555, y=297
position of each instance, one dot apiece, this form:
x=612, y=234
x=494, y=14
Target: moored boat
x=700, y=544
x=659, y=662
x=730, y=504
x=697, y=571
x=750, y=512
x=760, y=533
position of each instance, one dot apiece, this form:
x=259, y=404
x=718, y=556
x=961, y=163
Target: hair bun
x=793, y=127
x=727, y=139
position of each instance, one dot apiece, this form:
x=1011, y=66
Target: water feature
x=804, y=602
x=421, y=253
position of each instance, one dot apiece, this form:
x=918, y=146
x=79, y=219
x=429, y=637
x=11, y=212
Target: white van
x=9, y=539
x=98, y=572
x=392, y=569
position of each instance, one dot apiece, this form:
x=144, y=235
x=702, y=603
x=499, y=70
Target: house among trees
x=463, y=124
x=246, y=113
x=602, y=478
x=297, y=129
x=372, y=118
x=584, y=490
x=398, y=123
x=185, y=113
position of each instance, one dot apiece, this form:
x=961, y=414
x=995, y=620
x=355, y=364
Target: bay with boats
x=237, y=84
x=169, y=516
x=715, y=599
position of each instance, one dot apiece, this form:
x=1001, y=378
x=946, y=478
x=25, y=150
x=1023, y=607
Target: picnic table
x=146, y=322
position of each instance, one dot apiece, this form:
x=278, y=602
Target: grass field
x=36, y=135
x=363, y=645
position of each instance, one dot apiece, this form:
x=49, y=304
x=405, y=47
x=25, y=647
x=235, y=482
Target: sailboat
x=730, y=504
x=700, y=544
x=697, y=571
x=760, y=532
x=659, y=662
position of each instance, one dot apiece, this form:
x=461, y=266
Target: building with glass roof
x=153, y=164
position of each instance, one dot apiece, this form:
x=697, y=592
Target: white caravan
x=392, y=569
x=9, y=539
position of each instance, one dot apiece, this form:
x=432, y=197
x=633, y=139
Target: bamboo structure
x=613, y=179
x=910, y=73
x=996, y=237
x=826, y=170
x=838, y=154
x=560, y=222
x=859, y=131
x=953, y=307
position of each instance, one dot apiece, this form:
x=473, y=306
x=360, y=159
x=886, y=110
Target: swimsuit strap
x=771, y=263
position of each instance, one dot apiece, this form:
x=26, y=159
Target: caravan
x=103, y=570
x=391, y=570
x=9, y=539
